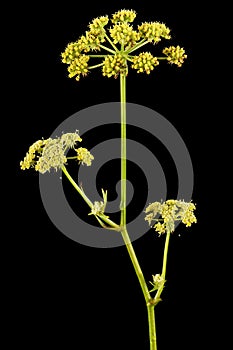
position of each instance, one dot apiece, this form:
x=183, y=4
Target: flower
x=170, y=212
x=123, y=16
x=123, y=33
x=97, y=25
x=144, y=62
x=71, y=52
x=34, y=151
x=154, y=31
x=123, y=40
x=46, y=154
x=69, y=139
x=84, y=156
x=78, y=67
x=114, y=65
x=52, y=156
x=175, y=55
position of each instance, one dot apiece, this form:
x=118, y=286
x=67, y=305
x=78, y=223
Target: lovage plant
x=115, y=49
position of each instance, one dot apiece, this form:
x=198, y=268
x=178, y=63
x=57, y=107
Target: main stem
x=123, y=150
x=125, y=236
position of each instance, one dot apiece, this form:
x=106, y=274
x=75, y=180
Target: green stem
x=111, y=43
x=96, y=56
x=152, y=327
x=87, y=200
x=80, y=191
x=123, y=149
x=96, y=66
x=137, y=46
x=124, y=233
x=107, y=49
x=136, y=265
x=165, y=253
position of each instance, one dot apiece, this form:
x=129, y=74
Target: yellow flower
x=175, y=55
x=123, y=16
x=98, y=23
x=160, y=228
x=46, y=154
x=84, y=156
x=123, y=33
x=170, y=211
x=78, y=67
x=154, y=31
x=31, y=156
x=114, y=65
x=52, y=156
x=144, y=62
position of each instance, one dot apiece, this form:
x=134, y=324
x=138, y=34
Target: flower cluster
x=175, y=55
x=123, y=40
x=123, y=16
x=154, y=31
x=123, y=34
x=170, y=212
x=32, y=155
x=144, y=62
x=52, y=156
x=96, y=35
x=46, y=154
x=78, y=67
x=84, y=156
x=114, y=65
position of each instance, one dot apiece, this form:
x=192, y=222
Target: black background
x=68, y=294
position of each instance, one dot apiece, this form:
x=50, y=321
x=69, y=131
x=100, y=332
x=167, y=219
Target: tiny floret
x=78, y=67
x=124, y=16
x=175, y=55
x=154, y=31
x=124, y=34
x=114, y=65
x=84, y=156
x=69, y=139
x=32, y=155
x=144, y=62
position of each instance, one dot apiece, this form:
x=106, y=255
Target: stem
x=137, y=46
x=165, y=254
x=124, y=233
x=159, y=291
x=103, y=217
x=96, y=66
x=123, y=150
x=95, y=56
x=107, y=49
x=152, y=327
x=136, y=265
x=80, y=191
x=111, y=43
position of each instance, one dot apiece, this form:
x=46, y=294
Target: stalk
x=124, y=233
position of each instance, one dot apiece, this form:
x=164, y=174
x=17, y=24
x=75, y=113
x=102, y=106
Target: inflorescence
x=44, y=155
x=123, y=40
x=167, y=213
